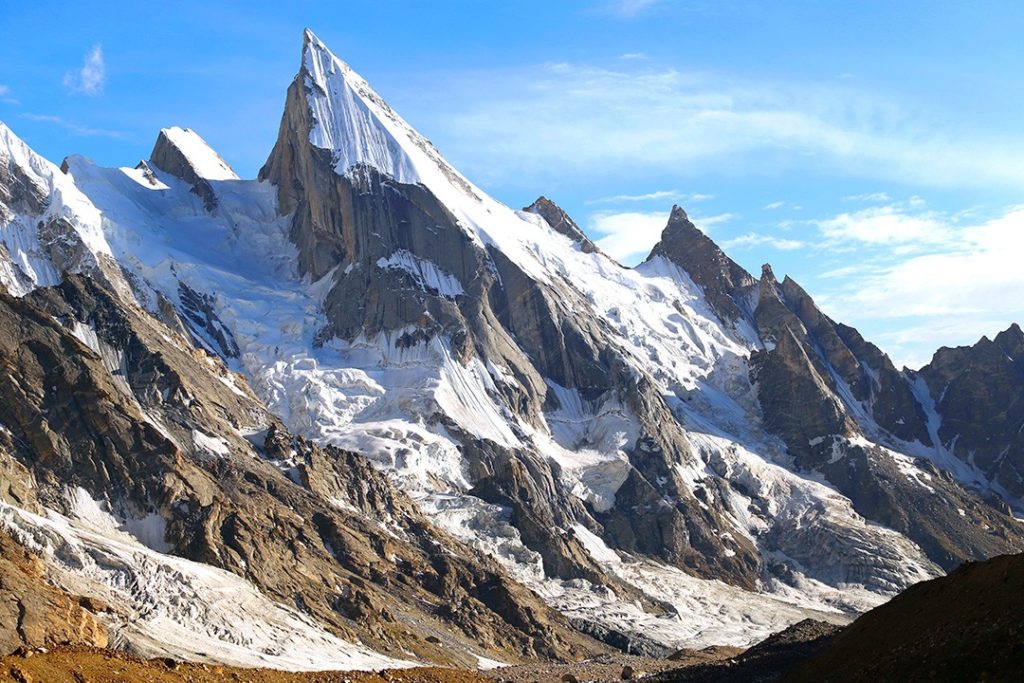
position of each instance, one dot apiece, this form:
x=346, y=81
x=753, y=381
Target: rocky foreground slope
x=356, y=413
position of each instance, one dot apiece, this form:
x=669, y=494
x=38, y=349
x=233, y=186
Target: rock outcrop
x=978, y=393
x=560, y=222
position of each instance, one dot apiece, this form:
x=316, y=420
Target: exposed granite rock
x=724, y=282
x=798, y=404
x=77, y=424
x=355, y=225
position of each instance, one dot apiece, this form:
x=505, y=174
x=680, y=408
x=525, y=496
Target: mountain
x=357, y=413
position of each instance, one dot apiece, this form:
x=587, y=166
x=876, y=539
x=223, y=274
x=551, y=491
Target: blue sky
x=871, y=150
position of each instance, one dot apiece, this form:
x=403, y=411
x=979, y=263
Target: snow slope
x=168, y=606
x=206, y=162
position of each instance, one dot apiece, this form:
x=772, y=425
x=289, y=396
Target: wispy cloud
x=72, y=127
x=753, y=239
x=5, y=95
x=887, y=225
x=556, y=119
x=658, y=195
x=869, y=197
x=91, y=77
x=633, y=55
x=630, y=8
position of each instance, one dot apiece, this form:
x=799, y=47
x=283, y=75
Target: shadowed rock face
x=559, y=220
x=723, y=281
x=979, y=394
x=963, y=626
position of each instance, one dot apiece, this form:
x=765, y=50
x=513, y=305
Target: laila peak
x=355, y=413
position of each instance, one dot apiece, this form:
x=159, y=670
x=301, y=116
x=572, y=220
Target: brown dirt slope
x=33, y=612
x=94, y=665
x=967, y=626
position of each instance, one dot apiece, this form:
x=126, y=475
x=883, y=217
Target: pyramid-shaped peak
x=182, y=152
x=354, y=123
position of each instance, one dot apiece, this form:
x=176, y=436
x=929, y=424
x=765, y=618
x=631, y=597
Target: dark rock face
x=560, y=221
x=797, y=402
x=634, y=644
x=807, y=385
x=724, y=282
x=979, y=394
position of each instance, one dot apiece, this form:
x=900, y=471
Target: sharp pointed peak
x=678, y=214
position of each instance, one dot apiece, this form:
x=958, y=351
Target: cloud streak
x=629, y=236
x=91, y=77
x=658, y=195
x=556, y=119
x=72, y=127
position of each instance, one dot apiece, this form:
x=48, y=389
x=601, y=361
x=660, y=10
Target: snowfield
x=168, y=606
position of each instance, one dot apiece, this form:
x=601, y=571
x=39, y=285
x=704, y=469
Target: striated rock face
x=826, y=392
x=798, y=404
x=560, y=221
x=978, y=392
x=404, y=265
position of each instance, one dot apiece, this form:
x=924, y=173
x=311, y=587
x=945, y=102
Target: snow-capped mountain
x=199, y=370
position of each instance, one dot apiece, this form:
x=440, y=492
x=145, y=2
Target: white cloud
x=631, y=8
x=659, y=195
x=869, y=197
x=753, y=239
x=566, y=119
x=629, y=236
x=633, y=55
x=887, y=225
x=72, y=127
x=88, y=80
x=4, y=90
x=970, y=283
x=774, y=205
